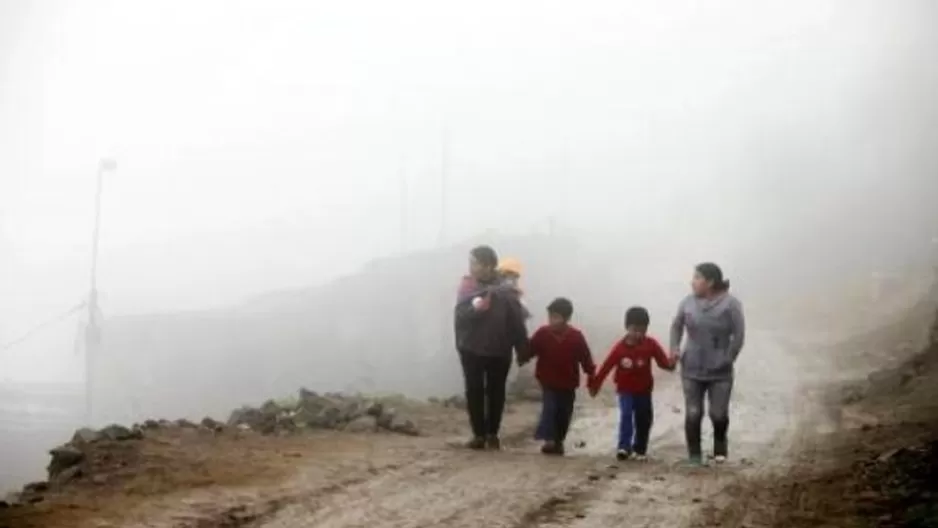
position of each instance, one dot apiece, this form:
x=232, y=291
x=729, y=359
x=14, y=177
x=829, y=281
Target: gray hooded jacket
x=716, y=332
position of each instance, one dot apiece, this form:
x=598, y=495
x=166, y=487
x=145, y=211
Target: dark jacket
x=493, y=332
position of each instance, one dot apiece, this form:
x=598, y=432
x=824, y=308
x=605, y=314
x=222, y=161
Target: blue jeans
x=556, y=413
x=635, y=418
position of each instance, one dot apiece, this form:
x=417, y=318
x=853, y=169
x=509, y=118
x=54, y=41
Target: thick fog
x=296, y=184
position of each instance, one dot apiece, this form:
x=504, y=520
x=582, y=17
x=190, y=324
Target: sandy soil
x=782, y=416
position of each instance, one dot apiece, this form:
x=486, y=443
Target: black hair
x=637, y=316
x=713, y=273
x=485, y=255
x=562, y=307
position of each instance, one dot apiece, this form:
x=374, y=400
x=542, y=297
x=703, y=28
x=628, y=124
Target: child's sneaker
x=719, y=459
x=623, y=454
x=477, y=443
x=493, y=442
x=640, y=458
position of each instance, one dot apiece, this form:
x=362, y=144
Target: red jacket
x=560, y=356
x=633, y=365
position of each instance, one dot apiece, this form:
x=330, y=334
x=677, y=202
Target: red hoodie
x=560, y=356
x=633, y=365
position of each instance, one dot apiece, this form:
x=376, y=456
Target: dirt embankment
x=878, y=464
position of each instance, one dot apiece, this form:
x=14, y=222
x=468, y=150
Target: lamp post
x=93, y=329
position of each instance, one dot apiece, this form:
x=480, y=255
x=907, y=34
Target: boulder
x=212, y=424
x=364, y=424
x=66, y=476
x=64, y=457
x=119, y=433
x=375, y=410
x=86, y=435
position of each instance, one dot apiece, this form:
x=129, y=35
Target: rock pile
x=329, y=411
x=69, y=461
x=95, y=451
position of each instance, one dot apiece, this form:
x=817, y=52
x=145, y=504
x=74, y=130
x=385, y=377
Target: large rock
x=64, y=457
x=364, y=424
x=390, y=421
x=86, y=436
x=119, y=433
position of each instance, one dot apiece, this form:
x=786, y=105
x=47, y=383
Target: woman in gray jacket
x=716, y=330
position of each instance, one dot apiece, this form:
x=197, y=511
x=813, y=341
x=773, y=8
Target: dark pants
x=635, y=418
x=556, y=413
x=718, y=402
x=485, y=378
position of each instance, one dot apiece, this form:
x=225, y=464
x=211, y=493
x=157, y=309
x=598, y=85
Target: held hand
x=675, y=357
x=593, y=391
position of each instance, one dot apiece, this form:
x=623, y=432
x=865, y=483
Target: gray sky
x=260, y=144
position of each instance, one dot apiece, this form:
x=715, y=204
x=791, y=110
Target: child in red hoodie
x=632, y=357
x=561, y=353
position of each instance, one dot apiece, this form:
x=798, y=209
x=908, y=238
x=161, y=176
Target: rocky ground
x=817, y=440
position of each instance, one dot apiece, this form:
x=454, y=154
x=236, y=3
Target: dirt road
x=430, y=482
x=382, y=481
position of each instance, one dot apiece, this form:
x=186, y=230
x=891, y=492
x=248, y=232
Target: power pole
x=93, y=330
x=441, y=241
x=444, y=185
x=402, y=178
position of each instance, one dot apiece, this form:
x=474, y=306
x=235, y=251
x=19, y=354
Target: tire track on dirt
x=663, y=492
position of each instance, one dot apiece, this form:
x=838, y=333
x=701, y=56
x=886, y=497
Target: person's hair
x=562, y=307
x=713, y=273
x=637, y=316
x=485, y=255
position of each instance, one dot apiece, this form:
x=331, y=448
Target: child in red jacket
x=561, y=353
x=632, y=357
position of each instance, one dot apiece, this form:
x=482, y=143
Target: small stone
x=406, y=428
x=593, y=478
x=888, y=455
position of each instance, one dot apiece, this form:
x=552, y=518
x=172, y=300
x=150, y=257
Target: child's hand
x=482, y=304
x=675, y=357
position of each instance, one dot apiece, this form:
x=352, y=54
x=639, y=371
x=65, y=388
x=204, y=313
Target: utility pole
x=444, y=185
x=93, y=330
x=402, y=178
x=441, y=241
